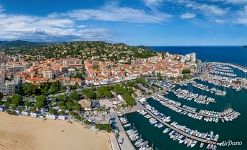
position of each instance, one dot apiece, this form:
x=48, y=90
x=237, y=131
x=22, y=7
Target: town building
x=104, y=72
x=8, y=87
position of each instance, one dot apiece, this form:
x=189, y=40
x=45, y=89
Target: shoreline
x=20, y=132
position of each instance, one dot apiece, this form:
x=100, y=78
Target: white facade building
x=8, y=88
x=189, y=58
x=193, y=57
x=48, y=74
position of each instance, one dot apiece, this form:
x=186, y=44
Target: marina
x=187, y=122
x=185, y=94
x=183, y=130
x=206, y=88
x=133, y=135
x=208, y=116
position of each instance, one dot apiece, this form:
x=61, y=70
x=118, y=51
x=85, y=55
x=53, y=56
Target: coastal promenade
x=177, y=130
x=193, y=112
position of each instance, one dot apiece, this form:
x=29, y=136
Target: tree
x=129, y=99
x=77, y=107
x=79, y=75
x=126, y=94
x=33, y=109
x=27, y=103
x=105, y=127
x=1, y=96
x=7, y=103
x=61, y=105
x=61, y=112
x=89, y=93
x=103, y=92
x=74, y=96
x=61, y=97
x=159, y=76
x=186, y=71
x=54, y=88
x=118, y=89
x=28, y=89
x=15, y=100
x=40, y=101
x=52, y=111
x=70, y=105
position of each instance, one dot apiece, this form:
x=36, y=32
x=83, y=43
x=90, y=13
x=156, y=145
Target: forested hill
x=81, y=49
x=19, y=45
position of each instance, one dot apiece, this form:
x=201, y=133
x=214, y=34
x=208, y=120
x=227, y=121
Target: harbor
x=192, y=134
x=185, y=94
x=209, y=116
x=184, y=122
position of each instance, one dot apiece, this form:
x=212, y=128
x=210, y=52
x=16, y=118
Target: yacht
x=201, y=145
x=166, y=130
x=193, y=144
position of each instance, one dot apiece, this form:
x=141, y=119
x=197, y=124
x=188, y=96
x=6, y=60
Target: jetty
x=222, y=115
x=126, y=142
x=178, y=130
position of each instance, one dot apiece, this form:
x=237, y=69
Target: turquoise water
x=235, y=130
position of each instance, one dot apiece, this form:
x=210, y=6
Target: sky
x=134, y=22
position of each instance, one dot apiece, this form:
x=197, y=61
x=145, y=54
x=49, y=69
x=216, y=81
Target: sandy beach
x=25, y=133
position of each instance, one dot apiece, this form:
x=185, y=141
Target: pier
x=194, y=112
x=177, y=130
x=126, y=142
x=244, y=69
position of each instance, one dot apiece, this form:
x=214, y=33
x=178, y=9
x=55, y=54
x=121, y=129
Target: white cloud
x=237, y=2
x=58, y=26
x=68, y=25
x=187, y=16
x=153, y=3
x=113, y=12
x=47, y=29
x=241, y=17
x=206, y=9
x=55, y=22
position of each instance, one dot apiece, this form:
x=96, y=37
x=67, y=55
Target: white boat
x=181, y=141
x=127, y=125
x=166, y=130
x=189, y=142
x=160, y=125
x=201, y=145
x=138, y=142
x=193, y=144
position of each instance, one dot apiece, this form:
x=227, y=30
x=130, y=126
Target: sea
x=228, y=54
x=235, y=131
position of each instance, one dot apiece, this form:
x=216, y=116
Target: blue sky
x=134, y=22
